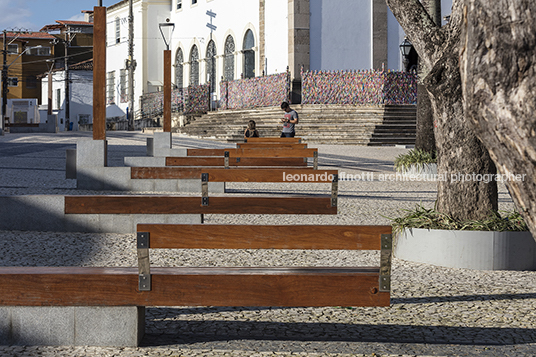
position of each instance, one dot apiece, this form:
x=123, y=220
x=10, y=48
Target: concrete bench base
x=120, y=326
x=47, y=213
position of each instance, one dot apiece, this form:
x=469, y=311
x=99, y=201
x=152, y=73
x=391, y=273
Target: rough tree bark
x=498, y=69
x=460, y=153
x=425, y=139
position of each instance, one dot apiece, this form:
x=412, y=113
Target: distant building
x=26, y=61
x=81, y=98
x=73, y=74
x=73, y=39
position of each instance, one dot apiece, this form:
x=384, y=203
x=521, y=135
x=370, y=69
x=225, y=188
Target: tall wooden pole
x=167, y=91
x=99, y=73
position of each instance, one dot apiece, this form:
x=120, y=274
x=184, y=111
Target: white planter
x=468, y=249
x=421, y=171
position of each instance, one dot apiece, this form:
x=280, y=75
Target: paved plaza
x=434, y=311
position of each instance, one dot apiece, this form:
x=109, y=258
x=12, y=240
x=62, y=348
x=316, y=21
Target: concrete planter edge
x=479, y=250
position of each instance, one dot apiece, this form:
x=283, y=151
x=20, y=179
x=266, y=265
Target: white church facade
x=248, y=38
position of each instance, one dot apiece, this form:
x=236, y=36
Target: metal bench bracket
x=334, y=190
x=204, y=189
x=144, y=269
x=226, y=159
x=385, y=262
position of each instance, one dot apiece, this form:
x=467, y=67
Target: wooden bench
x=305, y=175
x=142, y=204
x=215, y=286
x=216, y=161
x=274, y=140
x=253, y=153
x=270, y=145
x=270, y=286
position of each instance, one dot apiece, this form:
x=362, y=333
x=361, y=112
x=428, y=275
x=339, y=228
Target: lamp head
x=166, y=30
x=405, y=47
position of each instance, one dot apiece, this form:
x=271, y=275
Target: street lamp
x=405, y=48
x=167, y=28
x=4, y=82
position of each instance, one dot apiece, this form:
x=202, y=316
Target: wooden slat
x=305, y=175
x=187, y=286
x=219, y=161
x=251, y=153
x=214, y=236
x=275, y=139
x=140, y=204
x=258, y=146
x=270, y=145
x=166, y=172
x=271, y=175
x=206, y=152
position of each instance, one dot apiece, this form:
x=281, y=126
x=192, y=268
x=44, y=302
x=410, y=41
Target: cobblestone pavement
x=434, y=311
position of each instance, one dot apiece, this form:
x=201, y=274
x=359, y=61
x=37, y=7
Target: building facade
x=232, y=39
x=81, y=95
x=26, y=57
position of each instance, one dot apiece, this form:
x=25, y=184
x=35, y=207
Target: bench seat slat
x=274, y=139
x=276, y=152
x=234, y=175
x=214, y=236
x=270, y=145
x=263, y=147
x=188, y=286
x=245, y=161
x=139, y=204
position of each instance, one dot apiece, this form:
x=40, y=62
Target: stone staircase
x=327, y=124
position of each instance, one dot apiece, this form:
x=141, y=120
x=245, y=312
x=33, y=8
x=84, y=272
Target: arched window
x=228, y=62
x=211, y=65
x=179, y=60
x=194, y=66
x=249, y=55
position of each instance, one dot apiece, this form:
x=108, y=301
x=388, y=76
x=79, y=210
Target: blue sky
x=34, y=14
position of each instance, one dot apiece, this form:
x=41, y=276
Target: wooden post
x=99, y=73
x=167, y=91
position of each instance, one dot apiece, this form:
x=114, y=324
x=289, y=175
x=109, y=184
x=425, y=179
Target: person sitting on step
x=251, y=131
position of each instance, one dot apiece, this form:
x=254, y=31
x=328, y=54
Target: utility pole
x=131, y=65
x=4, y=85
x=67, y=79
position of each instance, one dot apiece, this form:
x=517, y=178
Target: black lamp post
x=405, y=48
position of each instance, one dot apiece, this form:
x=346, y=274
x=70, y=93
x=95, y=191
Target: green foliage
x=414, y=156
x=421, y=217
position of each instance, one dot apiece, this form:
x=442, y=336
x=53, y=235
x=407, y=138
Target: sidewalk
x=434, y=312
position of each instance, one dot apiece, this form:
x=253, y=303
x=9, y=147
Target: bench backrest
x=240, y=162
x=139, y=204
x=270, y=145
x=206, y=236
x=274, y=139
x=260, y=146
x=301, y=175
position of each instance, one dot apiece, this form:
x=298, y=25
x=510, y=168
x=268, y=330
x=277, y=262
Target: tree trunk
x=425, y=139
x=499, y=84
x=460, y=153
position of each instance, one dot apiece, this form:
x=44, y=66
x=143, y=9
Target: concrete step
x=372, y=125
